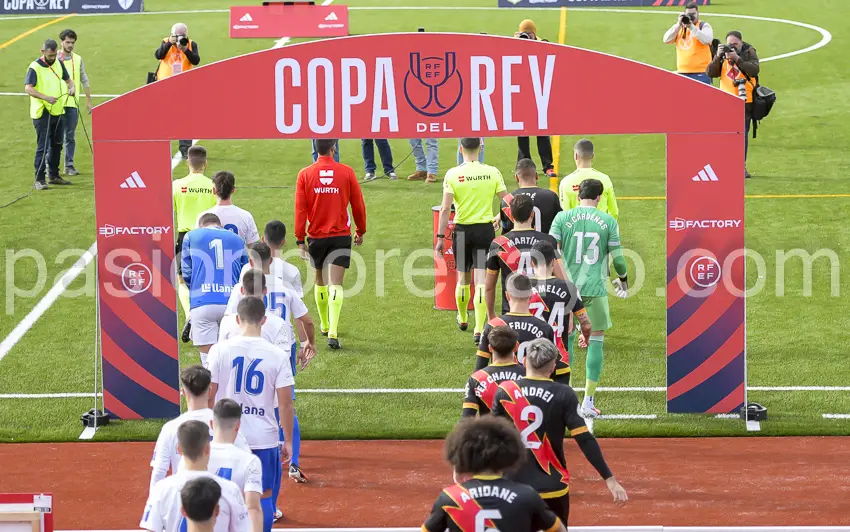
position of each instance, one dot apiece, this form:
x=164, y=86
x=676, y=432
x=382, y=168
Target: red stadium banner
x=275, y=21
x=135, y=244
x=411, y=86
x=705, y=273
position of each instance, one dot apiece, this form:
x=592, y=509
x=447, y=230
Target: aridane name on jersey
x=528, y=418
x=465, y=515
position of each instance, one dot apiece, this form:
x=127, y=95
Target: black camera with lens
x=182, y=40
x=524, y=35
x=687, y=18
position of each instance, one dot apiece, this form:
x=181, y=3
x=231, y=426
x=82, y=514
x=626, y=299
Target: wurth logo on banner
x=134, y=181
x=706, y=174
x=332, y=16
x=246, y=18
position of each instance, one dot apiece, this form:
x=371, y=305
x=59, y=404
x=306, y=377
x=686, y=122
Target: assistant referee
x=471, y=186
x=192, y=195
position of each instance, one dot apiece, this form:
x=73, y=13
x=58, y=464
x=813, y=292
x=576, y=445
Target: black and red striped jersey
x=482, y=386
x=511, y=253
x=558, y=299
x=490, y=503
x=544, y=412
x=528, y=328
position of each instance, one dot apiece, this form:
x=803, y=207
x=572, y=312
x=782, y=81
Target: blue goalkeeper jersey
x=212, y=260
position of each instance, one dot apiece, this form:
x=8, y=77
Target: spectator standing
x=77, y=70
x=692, y=38
x=177, y=54
x=45, y=77
x=368, y=149
x=737, y=63
x=427, y=160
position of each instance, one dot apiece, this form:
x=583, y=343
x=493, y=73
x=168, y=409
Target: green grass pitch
x=396, y=340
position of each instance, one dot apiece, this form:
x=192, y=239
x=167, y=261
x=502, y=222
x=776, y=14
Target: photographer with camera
x=177, y=54
x=528, y=30
x=737, y=65
x=692, y=38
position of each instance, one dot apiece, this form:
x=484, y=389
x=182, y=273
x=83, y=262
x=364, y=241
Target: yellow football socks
x=462, y=300
x=335, y=298
x=479, y=304
x=321, y=295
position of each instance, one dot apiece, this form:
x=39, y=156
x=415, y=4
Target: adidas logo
x=134, y=181
x=246, y=18
x=332, y=16
x=706, y=174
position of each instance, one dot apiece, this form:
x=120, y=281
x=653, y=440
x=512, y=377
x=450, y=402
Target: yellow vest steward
x=48, y=82
x=692, y=56
x=73, y=67
x=727, y=85
x=174, y=62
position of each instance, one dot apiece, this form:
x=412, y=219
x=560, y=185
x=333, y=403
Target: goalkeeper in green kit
x=586, y=236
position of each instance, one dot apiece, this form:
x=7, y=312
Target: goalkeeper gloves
x=621, y=287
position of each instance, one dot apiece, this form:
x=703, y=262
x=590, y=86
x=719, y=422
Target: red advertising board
x=276, y=21
x=411, y=86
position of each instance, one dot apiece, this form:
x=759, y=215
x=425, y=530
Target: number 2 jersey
x=511, y=253
x=528, y=328
x=544, y=412
x=482, y=386
x=490, y=503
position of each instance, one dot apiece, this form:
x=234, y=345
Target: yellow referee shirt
x=568, y=191
x=473, y=186
x=193, y=195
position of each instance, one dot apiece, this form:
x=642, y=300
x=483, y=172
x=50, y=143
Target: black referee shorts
x=334, y=250
x=470, y=245
x=560, y=506
x=178, y=249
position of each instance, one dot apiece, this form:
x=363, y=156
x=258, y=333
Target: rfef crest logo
x=433, y=85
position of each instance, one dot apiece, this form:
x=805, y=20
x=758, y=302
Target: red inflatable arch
x=409, y=86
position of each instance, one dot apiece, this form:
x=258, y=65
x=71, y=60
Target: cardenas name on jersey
x=589, y=215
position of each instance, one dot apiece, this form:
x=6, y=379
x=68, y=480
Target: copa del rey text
x=501, y=79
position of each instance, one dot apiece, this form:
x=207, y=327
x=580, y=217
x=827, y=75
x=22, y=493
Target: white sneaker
x=370, y=176
x=392, y=176
x=590, y=412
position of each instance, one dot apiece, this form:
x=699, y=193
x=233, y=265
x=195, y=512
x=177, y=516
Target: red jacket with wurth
x=323, y=193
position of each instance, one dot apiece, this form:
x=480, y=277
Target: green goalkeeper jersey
x=587, y=236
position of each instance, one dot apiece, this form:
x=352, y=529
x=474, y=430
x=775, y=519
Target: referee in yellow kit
x=471, y=186
x=193, y=195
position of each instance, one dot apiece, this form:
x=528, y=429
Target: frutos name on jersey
x=487, y=490
x=527, y=327
x=587, y=216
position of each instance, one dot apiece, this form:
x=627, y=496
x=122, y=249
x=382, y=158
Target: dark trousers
x=544, y=149
x=69, y=131
x=184, y=146
x=368, y=149
x=48, y=150
x=748, y=118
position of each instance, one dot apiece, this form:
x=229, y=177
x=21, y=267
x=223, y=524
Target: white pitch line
x=628, y=416
x=47, y=301
x=93, y=95
x=88, y=433
x=836, y=416
x=826, y=36
x=799, y=388
x=727, y=416
x=29, y=320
